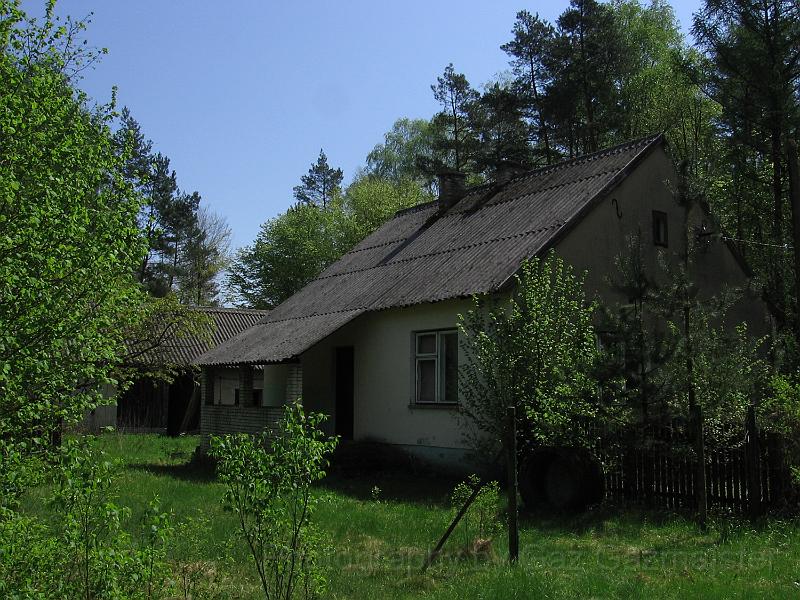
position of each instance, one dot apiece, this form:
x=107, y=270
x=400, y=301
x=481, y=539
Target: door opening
x=345, y=388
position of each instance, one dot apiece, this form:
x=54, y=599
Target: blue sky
x=241, y=95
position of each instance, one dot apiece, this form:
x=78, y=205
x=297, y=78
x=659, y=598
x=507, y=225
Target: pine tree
x=454, y=135
x=134, y=150
x=167, y=218
x=320, y=184
x=498, y=120
x=528, y=49
x=162, y=188
x=754, y=52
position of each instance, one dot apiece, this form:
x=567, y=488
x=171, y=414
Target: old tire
x=564, y=479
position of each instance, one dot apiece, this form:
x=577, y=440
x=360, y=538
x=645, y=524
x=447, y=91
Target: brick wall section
x=245, y=418
x=245, y=385
x=294, y=383
x=207, y=385
x=219, y=420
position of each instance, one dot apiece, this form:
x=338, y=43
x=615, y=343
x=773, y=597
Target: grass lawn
x=380, y=538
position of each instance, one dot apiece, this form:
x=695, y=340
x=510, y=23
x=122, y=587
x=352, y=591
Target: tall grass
x=379, y=538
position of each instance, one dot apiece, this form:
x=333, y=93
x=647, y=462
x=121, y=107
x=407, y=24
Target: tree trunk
x=794, y=194
x=695, y=411
x=777, y=217
x=591, y=142
x=542, y=126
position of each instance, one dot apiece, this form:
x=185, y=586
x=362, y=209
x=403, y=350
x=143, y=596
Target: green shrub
x=535, y=351
x=82, y=551
x=481, y=523
x=779, y=414
x=267, y=481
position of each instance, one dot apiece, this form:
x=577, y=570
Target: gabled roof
x=226, y=323
x=422, y=255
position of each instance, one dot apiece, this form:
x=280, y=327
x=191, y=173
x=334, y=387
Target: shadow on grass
x=399, y=486
x=553, y=521
x=357, y=468
x=622, y=520
x=191, y=471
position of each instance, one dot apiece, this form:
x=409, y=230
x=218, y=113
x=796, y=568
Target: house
x=153, y=405
x=372, y=341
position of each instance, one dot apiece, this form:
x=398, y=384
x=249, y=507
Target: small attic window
x=660, y=229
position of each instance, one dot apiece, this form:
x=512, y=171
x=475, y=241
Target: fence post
x=511, y=460
x=753, y=458
x=701, y=496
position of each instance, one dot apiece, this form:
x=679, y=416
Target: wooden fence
x=748, y=478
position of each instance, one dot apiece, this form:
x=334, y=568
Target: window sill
x=434, y=406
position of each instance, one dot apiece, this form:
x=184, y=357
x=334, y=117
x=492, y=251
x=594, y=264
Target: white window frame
x=437, y=357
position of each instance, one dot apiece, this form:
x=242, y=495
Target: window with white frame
x=436, y=367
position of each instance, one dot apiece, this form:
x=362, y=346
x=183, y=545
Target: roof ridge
x=451, y=213
x=643, y=141
x=230, y=309
x=416, y=208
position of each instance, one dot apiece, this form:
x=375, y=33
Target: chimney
x=506, y=171
x=451, y=188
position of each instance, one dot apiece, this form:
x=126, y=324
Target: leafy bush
x=29, y=557
x=779, y=413
x=535, y=351
x=83, y=552
x=481, y=523
x=267, y=481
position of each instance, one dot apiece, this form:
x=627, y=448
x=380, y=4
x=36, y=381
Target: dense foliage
x=602, y=74
x=535, y=351
x=675, y=344
x=84, y=551
x=752, y=72
x=68, y=233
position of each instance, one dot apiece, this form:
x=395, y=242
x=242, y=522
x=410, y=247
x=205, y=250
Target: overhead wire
x=754, y=243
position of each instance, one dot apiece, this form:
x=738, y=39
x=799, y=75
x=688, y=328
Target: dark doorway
x=180, y=397
x=143, y=406
x=344, y=392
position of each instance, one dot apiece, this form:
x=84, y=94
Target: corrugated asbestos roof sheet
x=227, y=323
x=423, y=256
